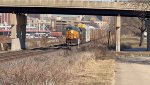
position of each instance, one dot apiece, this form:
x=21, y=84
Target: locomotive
x=72, y=35
x=81, y=34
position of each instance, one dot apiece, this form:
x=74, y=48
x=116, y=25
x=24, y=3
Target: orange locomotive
x=81, y=34
x=72, y=35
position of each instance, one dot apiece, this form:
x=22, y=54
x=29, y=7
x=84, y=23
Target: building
x=45, y=17
x=34, y=24
x=5, y=18
x=34, y=15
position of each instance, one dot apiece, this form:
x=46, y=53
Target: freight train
x=72, y=35
x=81, y=34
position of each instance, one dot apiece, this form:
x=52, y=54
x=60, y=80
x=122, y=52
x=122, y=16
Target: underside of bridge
x=72, y=11
x=19, y=19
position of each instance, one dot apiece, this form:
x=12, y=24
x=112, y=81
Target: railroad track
x=22, y=54
x=4, y=57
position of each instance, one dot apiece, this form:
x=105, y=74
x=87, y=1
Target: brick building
x=5, y=18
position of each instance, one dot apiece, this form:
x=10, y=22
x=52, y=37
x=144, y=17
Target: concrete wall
x=75, y=4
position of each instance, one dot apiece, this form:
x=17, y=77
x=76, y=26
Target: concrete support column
x=148, y=33
x=118, y=30
x=23, y=23
x=18, y=31
x=13, y=26
x=15, y=43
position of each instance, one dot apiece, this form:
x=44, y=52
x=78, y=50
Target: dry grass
x=133, y=41
x=55, y=69
x=63, y=67
x=93, y=72
x=40, y=70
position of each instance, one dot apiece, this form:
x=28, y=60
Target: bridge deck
x=75, y=4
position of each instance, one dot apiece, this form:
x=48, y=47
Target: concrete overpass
x=79, y=7
x=83, y=7
x=92, y=4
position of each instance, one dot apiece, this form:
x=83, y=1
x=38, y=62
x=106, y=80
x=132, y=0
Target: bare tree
x=111, y=30
x=129, y=26
x=142, y=30
x=144, y=4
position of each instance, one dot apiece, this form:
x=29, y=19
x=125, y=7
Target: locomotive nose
x=71, y=31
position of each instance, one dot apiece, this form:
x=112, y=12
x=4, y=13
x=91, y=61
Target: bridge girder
x=73, y=11
x=76, y=7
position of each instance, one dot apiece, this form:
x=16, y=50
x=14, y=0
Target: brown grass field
x=89, y=65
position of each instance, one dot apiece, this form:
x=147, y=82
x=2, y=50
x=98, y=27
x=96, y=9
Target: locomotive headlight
x=71, y=31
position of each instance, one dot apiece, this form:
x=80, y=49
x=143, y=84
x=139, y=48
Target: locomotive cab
x=72, y=35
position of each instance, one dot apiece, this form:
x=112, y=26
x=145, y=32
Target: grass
x=90, y=65
x=40, y=70
x=96, y=73
x=57, y=69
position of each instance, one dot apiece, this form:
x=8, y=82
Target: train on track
x=81, y=34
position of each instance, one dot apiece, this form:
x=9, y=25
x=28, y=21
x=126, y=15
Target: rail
x=4, y=57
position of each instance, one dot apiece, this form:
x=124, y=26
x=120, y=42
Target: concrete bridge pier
x=118, y=30
x=148, y=34
x=18, y=31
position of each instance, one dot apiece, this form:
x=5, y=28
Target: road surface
x=133, y=71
